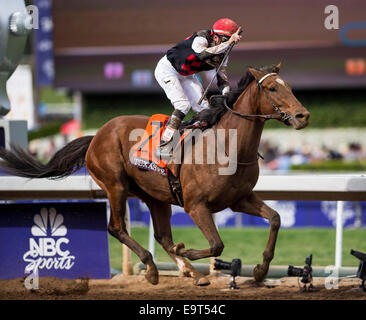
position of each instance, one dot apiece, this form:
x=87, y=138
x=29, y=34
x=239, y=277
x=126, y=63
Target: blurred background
x=93, y=60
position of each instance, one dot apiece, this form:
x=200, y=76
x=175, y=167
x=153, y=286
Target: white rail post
x=339, y=234
x=151, y=239
x=126, y=252
x=212, y=259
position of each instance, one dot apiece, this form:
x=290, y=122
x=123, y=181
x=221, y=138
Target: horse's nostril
x=303, y=116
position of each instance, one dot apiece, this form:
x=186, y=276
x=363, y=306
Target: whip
x=218, y=69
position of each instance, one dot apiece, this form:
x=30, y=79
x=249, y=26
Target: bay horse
x=261, y=95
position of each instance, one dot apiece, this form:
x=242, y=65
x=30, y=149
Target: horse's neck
x=248, y=131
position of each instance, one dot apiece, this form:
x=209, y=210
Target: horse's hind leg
x=255, y=206
x=161, y=215
x=117, y=195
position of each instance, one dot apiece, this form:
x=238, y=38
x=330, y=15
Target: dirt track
x=176, y=288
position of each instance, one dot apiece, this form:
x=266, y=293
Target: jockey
x=175, y=72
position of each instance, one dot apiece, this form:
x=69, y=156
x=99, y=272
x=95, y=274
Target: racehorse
x=261, y=95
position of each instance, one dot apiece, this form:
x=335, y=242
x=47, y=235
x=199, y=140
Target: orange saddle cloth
x=143, y=154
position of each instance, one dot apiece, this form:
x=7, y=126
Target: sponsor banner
x=63, y=240
x=43, y=44
x=293, y=214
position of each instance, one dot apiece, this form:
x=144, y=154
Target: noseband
x=280, y=115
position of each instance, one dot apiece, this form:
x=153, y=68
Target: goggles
x=224, y=38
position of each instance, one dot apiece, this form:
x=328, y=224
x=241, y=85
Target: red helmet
x=225, y=27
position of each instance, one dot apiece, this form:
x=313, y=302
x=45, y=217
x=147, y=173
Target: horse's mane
x=217, y=108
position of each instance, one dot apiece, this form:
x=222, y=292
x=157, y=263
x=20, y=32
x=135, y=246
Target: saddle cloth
x=143, y=155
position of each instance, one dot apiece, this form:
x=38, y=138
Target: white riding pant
x=184, y=92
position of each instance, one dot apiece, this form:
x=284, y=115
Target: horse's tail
x=65, y=161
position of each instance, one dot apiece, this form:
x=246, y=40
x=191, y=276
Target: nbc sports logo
x=47, y=247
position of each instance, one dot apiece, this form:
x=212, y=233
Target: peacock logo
x=47, y=247
x=56, y=227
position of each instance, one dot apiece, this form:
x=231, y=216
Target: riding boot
x=165, y=150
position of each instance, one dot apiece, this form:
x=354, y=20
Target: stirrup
x=164, y=150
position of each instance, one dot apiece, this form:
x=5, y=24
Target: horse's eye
x=272, y=89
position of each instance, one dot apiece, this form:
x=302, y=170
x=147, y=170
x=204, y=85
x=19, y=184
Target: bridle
x=280, y=115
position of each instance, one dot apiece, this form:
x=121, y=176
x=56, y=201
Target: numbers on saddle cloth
x=158, y=125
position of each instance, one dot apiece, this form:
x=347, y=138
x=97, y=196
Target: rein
x=280, y=115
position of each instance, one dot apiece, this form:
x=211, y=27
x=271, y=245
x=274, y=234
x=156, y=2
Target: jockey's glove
x=225, y=91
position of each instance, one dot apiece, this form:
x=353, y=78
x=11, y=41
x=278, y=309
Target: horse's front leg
x=161, y=214
x=255, y=206
x=202, y=217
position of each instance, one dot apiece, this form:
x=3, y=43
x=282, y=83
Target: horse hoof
x=152, y=278
x=152, y=275
x=259, y=273
x=201, y=282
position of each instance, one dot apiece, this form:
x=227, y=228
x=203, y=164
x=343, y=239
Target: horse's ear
x=257, y=74
x=277, y=67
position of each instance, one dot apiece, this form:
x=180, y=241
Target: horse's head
x=275, y=96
